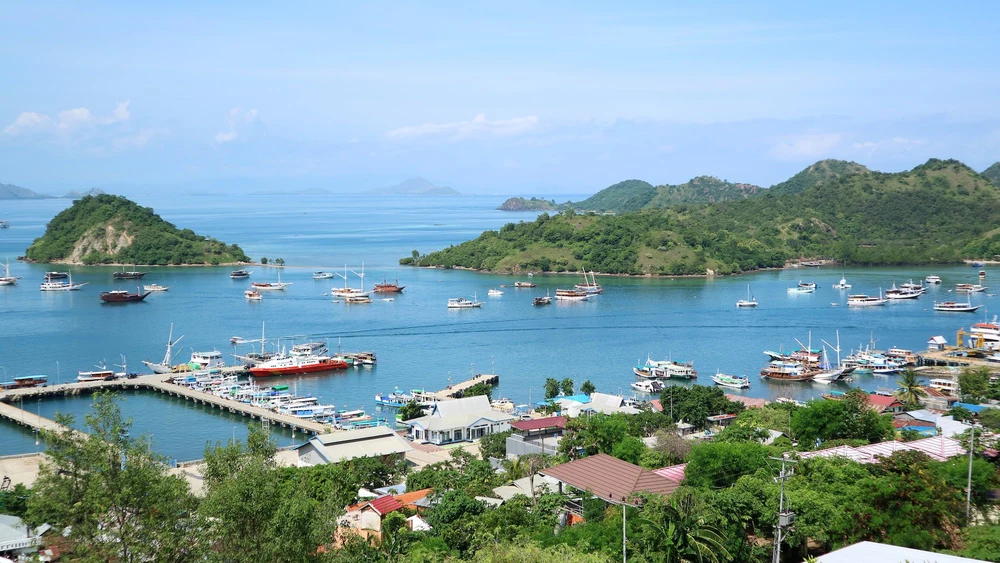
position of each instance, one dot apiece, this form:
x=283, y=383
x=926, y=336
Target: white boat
x=6, y=278
x=357, y=299
x=494, y=293
x=590, y=285
x=524, y=284
x=52, y=285
x=842, y=284
x=970, y=288
x=862, y=300
x=798, y=289
x=731, y=381
x=572, y=295
x=164, y=366
x=913, y=286
x=347, y=291
x=271, y=286
x=933, y=279
x=155, y=287
x=750, y=301
x=239, y=274
x=100, y=374
x=503, y=405
x=903, y=292
x=665, y=369
x=207, y=360
x=463, y=303
x=253, y=295
x=647, y=386
x=322, y=275
x=807, y=285
x=954, y=307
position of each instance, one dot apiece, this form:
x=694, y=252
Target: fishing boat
x=572, y=295
x=494, y=293
x=271, y=286
x=650, y=386
x=239, y=274
x=50, y=285
x=6, y=278
x=902, y=293
x=347, y=291
x=123, y=275
x=955, y=307
x=590, y=285
x=862, y=300
x=386, y=287
x=543, y=300
x=524, y=284
x=933, y=279
x=164, y=366
x=842, y=284
x=463, y=303
x=322, y=275
x=156, y=287
x=750, y=301
x=970, y=288
x=787, y=371
x=665, y=369
x=49, y=276
x=253, y=295
x=123, y=296
x=731, y=381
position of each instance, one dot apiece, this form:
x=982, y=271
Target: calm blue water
x=420, y=343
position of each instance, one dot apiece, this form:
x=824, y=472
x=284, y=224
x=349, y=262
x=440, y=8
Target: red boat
x=122, y=296
x=295, y=365
x=386, y=287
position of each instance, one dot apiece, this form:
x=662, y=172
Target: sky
x=513, y=97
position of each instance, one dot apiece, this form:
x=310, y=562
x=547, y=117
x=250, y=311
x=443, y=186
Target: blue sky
x=507, y=98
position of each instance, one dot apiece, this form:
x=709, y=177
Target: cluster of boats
x=580, y=292
x=909, y=290
x=346, y=294
x=811, y=364
x=653, y=372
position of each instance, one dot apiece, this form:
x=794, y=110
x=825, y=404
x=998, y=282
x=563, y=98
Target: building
x=885, y=404
x=459, y=420
x=378, y=441
x=17, y=539
x=535, y=436
x=609, y=478
x=884, y=553
x=938, y=448
x=602, y=403
x=937, y=344
x=927, y=422
x=366, y=516
x=937, y=399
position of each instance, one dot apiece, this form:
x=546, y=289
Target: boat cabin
x=949, y=386
x=208, y=360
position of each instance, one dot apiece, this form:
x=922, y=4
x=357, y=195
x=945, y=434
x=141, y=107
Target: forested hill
x=941, y=211
x=108, y=229
x=633, y=195
x=993, y=174
x=821, y=171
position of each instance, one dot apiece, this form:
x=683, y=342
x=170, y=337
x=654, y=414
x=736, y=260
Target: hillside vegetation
x=941, y=211
x=108, y=229
x=820, y=172
x=993, y=174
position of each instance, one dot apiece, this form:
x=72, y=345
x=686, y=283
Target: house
x=530, y=486
x=884, y=553
x=721, y=420
x=378, y=441
x=535, y=436
x=885, y=404
x=927, y=422
x=609, y=478
x=602, y=403
x=367, y=516
x=937, y=344
x=938, y=448
x=17, y=539
x=457, y=420
x=937, y=399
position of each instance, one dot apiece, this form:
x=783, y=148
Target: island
x=415, y=186
x=10, y=191
x=108, y=229
x=533, y=204
x=939, y=212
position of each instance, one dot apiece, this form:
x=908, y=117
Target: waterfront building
x=459, y=420
x=377, y=441
x=536, y=436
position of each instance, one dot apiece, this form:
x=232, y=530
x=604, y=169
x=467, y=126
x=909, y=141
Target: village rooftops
x=377, y=441
x=610, y=478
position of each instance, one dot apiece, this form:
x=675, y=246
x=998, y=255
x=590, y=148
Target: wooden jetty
x=160, y=384
x=457, y=390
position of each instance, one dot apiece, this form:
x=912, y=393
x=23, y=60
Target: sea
x=420, y=343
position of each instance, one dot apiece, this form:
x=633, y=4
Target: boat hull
x=326, y=365
x=123, y=298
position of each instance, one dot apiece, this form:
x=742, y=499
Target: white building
x=458, y=420
x=378, y=441
x=602, y=403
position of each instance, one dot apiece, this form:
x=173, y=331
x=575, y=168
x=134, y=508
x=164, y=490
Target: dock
x=29, y=419
x=158, y=383
x=948, y=358
x=458, y=390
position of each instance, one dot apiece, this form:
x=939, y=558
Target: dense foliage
x=993, y=174
x=820, y=172
x=941, y=211
x=525, y=204
x=107, y=229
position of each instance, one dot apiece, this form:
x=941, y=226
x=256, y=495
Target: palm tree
x=910, y=390
x=682, y=536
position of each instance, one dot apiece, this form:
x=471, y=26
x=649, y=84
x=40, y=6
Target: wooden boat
x=6, y=278
x=346, y=291
x=49, y=276
x=123, y=275
x=239, y=274
x=156, y=287
x=271, y=286
x=123, y=296
x=545, y=300
x=970, y=288
x=862, y=300
x=50, y=285
x=164, y=366
x=954, y=307
x=589, y=285
x=787, y=371
x=524, y=284
x=253, y=295
x=665, y=369
x=731, y=381
x=572, y=295
x=386, y=287
x=903, y=293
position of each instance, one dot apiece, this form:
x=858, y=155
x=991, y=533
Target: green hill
x=107, y=229
x=630, y=195
x=703, y=189
x=525, y=204
x=819, y=172
x=993, y=174
x=941, y=211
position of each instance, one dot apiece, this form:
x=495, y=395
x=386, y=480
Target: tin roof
x=610, y=478
x=872, y=551
x=539, y=423
x=748, y=401
x=674, y=473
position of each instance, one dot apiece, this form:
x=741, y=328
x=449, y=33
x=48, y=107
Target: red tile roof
x=385, y=505
x=407, y=499
x=539, y=423
x=657, y=406
x=880, y=402
x=610, y=478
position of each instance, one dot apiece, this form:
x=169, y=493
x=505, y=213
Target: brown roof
x=750, y=402
x=881, y=402
x=539, y=423
x=610, y=478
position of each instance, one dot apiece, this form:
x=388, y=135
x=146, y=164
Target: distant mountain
x=77, y=195
x=993, y=174
x=10, y=191
x=533, y=204
x=307, y=191
x=819, y=172
x=414, y=186
x=633, y=195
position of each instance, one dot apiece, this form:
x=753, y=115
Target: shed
x=937, y=344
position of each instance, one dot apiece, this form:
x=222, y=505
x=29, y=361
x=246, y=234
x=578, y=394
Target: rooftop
x=539, y=423
x=750, y=402
x=610, y=478
x=350, y=444
x=883, y=553
x=938, y=448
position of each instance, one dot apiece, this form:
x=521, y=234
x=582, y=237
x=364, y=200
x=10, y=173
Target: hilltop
x=533, y=204
x=106, y=229
x=993, y=174
x=633, y=195
x=10, y=191
x=941, y=211
x=415, y=186
x=820, y=172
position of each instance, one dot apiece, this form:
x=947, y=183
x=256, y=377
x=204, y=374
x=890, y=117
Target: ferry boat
x=207, y=360
x=123, y=296
x=750, y=301
x=494, y=293
x=955, y=307
x=933, y=279
x=164, y=366
x=731, y=381
x=50, y=285
x=787, y=371
x=665, y=369
x=542, y=300
x=322, y=275
x=463, y=303
x=572, y=295
x=156, y=287
x=842, y=284
x=650, y=386
x=297, y=365
x=969, y=288
x=49, y=276
x=123, y=275
x=253, y=295
x=862, y=300
x=6, y=278
x=590, y=285
x=239, y=274
x=524, y=284
x=386, y=287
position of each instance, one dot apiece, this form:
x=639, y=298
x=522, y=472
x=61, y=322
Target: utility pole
x=968, y=491
x=624, y=555
x=785, y=517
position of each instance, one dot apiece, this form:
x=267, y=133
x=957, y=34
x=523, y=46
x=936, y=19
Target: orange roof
x=881, y=402
x=407, y=499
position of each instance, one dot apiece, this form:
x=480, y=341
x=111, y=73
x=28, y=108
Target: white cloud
x=28, y=122
x=807, y=146
x=66, y=121
x=239, y=123
x=136, y=141
x=893, y=144
x=478, y=126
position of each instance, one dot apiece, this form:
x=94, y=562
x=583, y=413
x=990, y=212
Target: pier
x=29, y=419
x=457, y=390
x=158, y=383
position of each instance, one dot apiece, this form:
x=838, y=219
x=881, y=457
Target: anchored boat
x=123, y=296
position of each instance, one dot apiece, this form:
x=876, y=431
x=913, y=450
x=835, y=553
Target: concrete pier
x=457, y=390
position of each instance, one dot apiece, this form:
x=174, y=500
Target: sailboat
x=831, y=373
x=278, y=285
x=49, y=285
x=842, y=284
x=6, y=278
x=750, y=301
x=347, y=291
x=164, y=366
x=590, y=285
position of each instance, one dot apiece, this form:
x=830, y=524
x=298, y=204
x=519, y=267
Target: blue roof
x=584, y=399
x=972, y=408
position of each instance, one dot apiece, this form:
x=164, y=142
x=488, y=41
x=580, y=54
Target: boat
x=590, y=285
x=123, y=275
x=494, y=293
x=650, y=386
x=4, y=224
x=807, y=285
x=386, y=287
x=524, y=284
x=463, y=303
x=253, y=295
x=271, y=286
x=955, y=307
x=862, y=300
x=978, y=264
x=797, y=290
x=346, y=291
x=26, y=381
x=356, y=299
x=665, y=369
x=933, y=279
x=812, y=264
x=913, y=286
x=50, y=285
x=6, y=278
x=750, y=301
x=731, y=381
x=156, y=287
x=239, y=274
x=394, y=399
x=969, y=288
x=787, y=371
x=903, y=293
x=572, y=295
x=842, y=284
x=207, y=360
x=100, y=374
x=300, y=361
x=543, y=300
x=322, y=275
x=49, y=276
x=164, y=366
x=503, y=405
x=123, y=296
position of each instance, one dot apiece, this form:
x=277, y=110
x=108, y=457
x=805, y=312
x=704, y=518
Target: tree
x=910, y=390
x=587, y=388
x=675, y=529
x=15, y=501
x=629, y=449
x=551, y=388
x=494, y=445
x=566, y=386
x=674, y=448
x=411, y=410
x=279, y=261
x=264, y=260
x=961, y=414
x=415, y=255
x=720, y=464
x=973, y=385
x=480, y=388
x=989, y=418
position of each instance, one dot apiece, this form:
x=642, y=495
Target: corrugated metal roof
x=674, y=473
x=883, y=553
x=385, y=505
x=359, y=443
x=539, y=423
x=610, y=478
x=748, y=401
x=938, y=448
